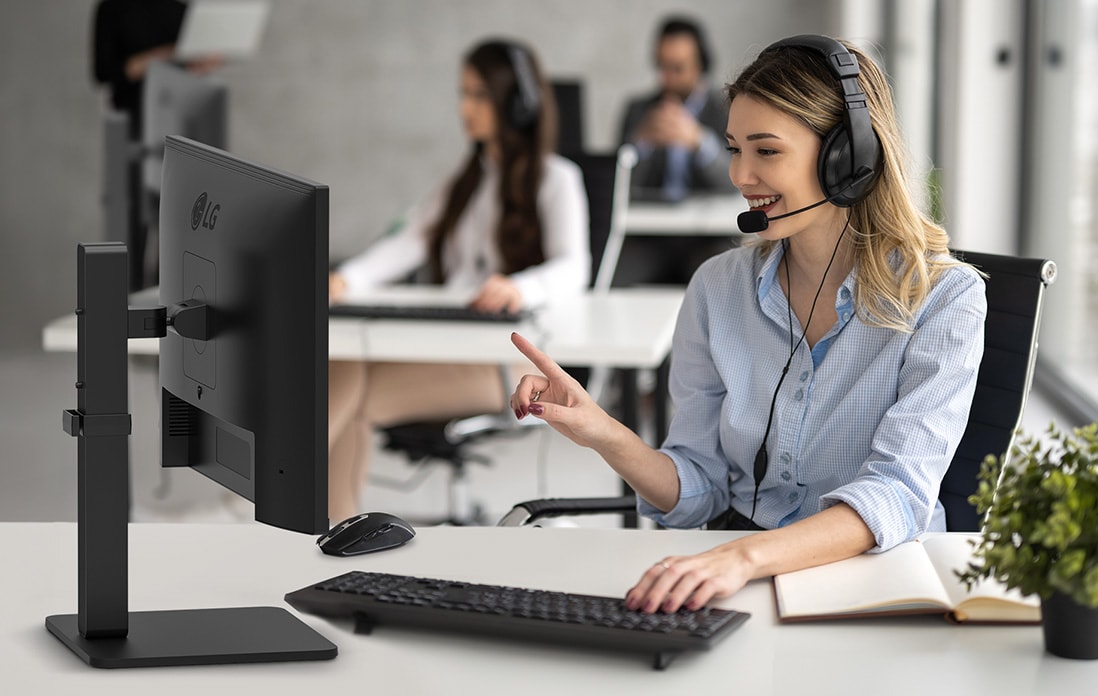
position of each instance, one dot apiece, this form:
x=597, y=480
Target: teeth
x=759, y=202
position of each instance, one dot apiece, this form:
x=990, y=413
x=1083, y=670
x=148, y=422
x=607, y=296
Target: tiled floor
x=38, y=460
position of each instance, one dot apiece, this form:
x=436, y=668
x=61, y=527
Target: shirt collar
x=767, y=275
x=768, y=271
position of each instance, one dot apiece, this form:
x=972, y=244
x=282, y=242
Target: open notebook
x=913, y=578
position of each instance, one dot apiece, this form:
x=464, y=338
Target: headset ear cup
x=519, y=114
x=524, y=105
x=835, y=165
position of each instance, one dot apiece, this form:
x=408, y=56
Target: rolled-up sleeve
x=693, y=443
x=896, y=489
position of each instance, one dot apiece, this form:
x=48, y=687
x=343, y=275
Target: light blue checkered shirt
x=870, y=417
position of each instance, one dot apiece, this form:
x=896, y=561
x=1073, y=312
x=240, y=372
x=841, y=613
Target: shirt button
x=786, y=476
x=846, y=316
x=792, y=497
x=799, y=395
x=804, y=375
x=785, y=458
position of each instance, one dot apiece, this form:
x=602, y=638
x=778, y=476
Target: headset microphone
x=755, y=221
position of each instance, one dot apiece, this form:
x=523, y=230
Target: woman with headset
x=510, y=227
x=822, y=377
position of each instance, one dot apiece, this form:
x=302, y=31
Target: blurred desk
x=664, y=243
x=626, y=328
x=699, y=215
x=188, y=566
x=621, y=327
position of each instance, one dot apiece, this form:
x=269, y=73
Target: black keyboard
x=431, y=312
x=374, y=599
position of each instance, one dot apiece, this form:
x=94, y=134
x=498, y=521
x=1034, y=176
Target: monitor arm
x=189, y=319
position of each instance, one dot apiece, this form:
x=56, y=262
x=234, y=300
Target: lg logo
x=204, y=213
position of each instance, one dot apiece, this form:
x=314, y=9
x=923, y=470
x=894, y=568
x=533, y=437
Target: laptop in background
x=228, y=28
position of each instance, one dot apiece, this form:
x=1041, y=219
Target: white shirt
x=471, y=255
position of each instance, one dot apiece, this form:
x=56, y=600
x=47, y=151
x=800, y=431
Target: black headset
x=851, y=150
x=524, y=105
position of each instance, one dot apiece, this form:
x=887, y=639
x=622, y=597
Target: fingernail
x=537, y=409
x=518, y=414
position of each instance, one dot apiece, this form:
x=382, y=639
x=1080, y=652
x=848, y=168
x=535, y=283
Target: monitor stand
x=104, y=633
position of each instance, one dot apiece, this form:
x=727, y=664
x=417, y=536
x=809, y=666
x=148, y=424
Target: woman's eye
x=733, y=149
x=766, y=152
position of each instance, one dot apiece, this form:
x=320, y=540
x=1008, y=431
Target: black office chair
x=1015, y=289
x=606, y=180
x=568, y=95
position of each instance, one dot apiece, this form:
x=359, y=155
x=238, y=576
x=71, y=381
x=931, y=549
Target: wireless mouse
x=365, y=533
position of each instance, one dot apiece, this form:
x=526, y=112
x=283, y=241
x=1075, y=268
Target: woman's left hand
x=691, y=581
x=498, y=294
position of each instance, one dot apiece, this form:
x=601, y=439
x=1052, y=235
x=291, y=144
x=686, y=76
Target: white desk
x=195, y=566
x=699, y=215
x=623, y=327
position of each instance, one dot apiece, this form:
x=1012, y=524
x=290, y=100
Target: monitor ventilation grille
x=180, y=417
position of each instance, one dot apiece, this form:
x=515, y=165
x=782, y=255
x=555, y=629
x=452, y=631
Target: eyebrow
x=754, y=136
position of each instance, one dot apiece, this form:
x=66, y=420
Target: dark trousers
x=732, y=520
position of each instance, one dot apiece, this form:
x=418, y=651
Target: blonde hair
x=899, y=252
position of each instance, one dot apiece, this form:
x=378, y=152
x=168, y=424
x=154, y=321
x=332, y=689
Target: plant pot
x=1070, y=629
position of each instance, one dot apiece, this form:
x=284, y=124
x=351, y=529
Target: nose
x=741, y=173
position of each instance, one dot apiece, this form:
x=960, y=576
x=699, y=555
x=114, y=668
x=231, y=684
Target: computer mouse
x=365, y=533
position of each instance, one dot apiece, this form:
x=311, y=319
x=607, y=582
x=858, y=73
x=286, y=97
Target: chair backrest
x=569, y=97
x=606, y=179
x=1015, y=289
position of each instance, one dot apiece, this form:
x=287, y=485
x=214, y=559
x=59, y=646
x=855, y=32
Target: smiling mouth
x=770, y=200
x=763, y=204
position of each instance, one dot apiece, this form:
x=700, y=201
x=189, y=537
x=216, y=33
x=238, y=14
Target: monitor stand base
x=198, y=637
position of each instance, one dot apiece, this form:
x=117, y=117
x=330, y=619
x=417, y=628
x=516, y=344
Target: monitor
x=179, y=102
x=243, y=323
x=248, y=407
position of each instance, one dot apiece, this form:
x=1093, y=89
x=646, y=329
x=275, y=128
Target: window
x=1060, y=184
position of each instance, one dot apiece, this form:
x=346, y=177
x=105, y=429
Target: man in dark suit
x=679, y=135
x=679, y=130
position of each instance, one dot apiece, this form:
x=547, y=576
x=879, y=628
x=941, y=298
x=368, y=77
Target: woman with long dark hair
x=511, y=227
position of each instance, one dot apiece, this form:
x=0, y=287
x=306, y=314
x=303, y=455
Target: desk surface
x=627, y=327
x=701, y=215
x=192, y=566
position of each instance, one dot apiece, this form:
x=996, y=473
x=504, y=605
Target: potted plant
x=1041, y=532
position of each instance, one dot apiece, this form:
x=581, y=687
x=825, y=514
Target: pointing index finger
x=541, y=361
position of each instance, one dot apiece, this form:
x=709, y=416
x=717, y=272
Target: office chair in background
x=569, y=97
x=606, y=180
x=1015, y=290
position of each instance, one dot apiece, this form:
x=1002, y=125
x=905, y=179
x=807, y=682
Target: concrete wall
x=357, y=94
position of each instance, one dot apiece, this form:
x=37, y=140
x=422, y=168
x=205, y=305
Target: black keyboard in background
x=378, y=599
x=424, y=312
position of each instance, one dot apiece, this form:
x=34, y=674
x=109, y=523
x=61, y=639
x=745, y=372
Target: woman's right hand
x=337, y=287
x=560, y=400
